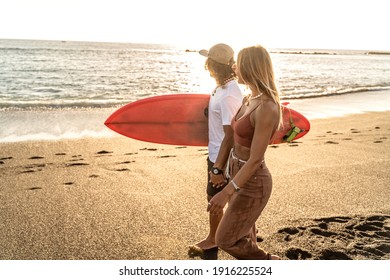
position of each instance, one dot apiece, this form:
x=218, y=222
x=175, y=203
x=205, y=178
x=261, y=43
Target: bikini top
x=243, y=129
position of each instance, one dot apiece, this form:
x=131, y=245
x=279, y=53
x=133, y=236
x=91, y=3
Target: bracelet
x=236, y=188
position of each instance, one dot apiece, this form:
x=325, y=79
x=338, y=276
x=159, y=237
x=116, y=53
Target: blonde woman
x=250, y=185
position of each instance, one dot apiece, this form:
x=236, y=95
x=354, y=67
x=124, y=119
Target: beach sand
x=118, y=198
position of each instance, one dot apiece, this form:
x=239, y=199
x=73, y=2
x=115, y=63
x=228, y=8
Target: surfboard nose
x=176, y=119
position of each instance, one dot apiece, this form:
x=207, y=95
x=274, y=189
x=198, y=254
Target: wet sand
x=118, y=198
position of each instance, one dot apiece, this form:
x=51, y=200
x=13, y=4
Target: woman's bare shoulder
x=270, y=106
x=268, y=111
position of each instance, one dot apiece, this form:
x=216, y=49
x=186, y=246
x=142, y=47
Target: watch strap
x=216, y=171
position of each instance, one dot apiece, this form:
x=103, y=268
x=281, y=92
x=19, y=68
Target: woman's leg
x=236, y=233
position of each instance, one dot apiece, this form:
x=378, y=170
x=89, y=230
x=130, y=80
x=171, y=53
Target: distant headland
x=378, y=53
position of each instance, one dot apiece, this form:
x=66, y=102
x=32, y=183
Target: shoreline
x=53, y=125
x=118, y=198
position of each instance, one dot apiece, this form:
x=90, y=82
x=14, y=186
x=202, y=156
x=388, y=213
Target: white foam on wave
x=53, y=125
x=52, y=137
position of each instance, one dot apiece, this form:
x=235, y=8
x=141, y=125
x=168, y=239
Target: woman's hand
x=218, y=202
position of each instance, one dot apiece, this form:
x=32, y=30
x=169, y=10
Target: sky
x=320, y=24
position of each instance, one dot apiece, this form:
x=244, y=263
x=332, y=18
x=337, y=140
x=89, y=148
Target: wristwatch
x=216, y=171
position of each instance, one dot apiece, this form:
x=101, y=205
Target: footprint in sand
x=5, y=158
x=130, y=154
x=77, y=159
x=122, y=169
x=204, y=150
x=294, y=143
x=167, y=156
x=297, y=254
x=76, y=164
x=33, y=168
x=27, y=171
x=34, y=188
x=337, y=219
x=380, y=140
x=125, y=162
x=321, y=232
x=289, y=230
x=333, y=255
x=36, y=157
x=2, y=160
x=103, y=152
x=148, y=149
x=354, y=130
x=339, y=238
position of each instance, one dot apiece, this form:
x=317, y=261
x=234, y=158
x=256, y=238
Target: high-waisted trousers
x=236, y=233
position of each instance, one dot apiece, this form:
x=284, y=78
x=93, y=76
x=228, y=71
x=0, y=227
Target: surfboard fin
x=292, y=134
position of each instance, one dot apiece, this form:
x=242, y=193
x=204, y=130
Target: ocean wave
x=116, y=74
x=305, y=52
x=333, y=93
x=122, y=50
x=48, y=106
x=32, y=49
x=52, y=136
x=48, y=90
x=49, y=71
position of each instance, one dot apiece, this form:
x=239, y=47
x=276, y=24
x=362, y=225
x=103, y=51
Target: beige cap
x=221, y=53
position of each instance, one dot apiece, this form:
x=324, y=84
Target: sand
x=118, y=198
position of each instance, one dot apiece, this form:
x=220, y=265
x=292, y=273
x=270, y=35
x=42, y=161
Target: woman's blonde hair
x=257, y=72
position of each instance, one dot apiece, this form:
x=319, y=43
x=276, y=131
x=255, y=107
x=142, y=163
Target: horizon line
x=385, y=51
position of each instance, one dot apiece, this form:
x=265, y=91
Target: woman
x=225, y=100
x=250, y=183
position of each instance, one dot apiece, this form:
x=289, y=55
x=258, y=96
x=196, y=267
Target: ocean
x=60, y=89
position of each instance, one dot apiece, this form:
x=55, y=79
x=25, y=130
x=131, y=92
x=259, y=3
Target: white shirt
x=223, y=106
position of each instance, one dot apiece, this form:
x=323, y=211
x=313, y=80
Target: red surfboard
x=181, y=119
